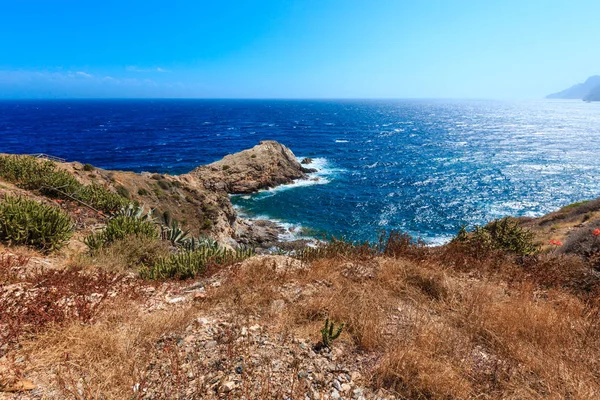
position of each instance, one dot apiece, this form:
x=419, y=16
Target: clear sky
x=296, y=49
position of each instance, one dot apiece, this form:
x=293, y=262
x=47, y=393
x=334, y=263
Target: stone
x=302, y=375
x=176, y=300
x=227, y=387
x=277, y=306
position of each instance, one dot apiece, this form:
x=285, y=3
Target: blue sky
x=296, y=49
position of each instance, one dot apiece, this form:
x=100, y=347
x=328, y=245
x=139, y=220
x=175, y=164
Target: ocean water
x=425, y=167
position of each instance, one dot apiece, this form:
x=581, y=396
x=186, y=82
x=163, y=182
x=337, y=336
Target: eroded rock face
x=264, y=166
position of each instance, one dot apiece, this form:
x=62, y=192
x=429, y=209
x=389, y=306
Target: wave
x=341, y=141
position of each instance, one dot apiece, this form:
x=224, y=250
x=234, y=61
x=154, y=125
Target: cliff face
x=264, y=166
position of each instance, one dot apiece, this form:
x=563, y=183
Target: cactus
x=328, y=335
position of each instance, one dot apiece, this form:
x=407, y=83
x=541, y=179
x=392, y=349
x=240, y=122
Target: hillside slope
x=472, y=319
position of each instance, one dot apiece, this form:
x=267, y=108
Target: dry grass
x=107, y=359
x=445, y=325
x=448, y=323
x=128, y=254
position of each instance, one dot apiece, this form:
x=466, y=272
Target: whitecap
x=341, y=141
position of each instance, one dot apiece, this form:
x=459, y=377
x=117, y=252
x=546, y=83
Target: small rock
x=277, y=306
x=357, y=393
x=227, y=387
x=337, y=385
x=239, y=369
x=210, y=344
x=346, y=387
x=176, y=300
x=302, y=375
x=335, y=395
x=199, y=296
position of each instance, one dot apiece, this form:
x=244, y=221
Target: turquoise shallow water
x=421, y=166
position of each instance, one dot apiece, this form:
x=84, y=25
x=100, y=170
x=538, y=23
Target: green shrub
x=225, y=167
x=31, y=173
x=120, y=227
x=502, y=234
x=576, y=204
x=101, y=198
x=143, y=192
x=88, y=167
x=188, y=264
x=24, y=221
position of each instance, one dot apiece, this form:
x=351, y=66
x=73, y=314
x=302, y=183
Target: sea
x=424, y=167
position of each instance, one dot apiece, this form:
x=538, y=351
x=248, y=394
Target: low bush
x=27, y=222
x=503, y=234
x=88, y=167
x=120, y=227
x=31, y=173
x=188, y=264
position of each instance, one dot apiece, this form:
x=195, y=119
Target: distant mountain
x=580, y=91
x=593, y=95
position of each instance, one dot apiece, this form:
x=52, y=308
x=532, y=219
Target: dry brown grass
x=445, y=325
x=107, y=359
x=428, y=324
x=124, y=255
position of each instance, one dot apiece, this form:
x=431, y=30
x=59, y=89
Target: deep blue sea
x=421, y=166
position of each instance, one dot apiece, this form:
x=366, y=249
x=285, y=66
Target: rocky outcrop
x=198, y=200
x=264, y=166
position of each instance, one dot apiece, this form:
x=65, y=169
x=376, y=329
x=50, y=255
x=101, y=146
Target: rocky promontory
x=264, y=166
x=198, y=200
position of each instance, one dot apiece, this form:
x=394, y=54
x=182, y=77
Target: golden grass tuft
x=107, y=359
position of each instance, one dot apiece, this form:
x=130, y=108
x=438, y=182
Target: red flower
x=555, y=242
x=596, y=232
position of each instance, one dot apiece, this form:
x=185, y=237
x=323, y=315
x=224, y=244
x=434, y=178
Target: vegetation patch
x=120, y=227
x=503, y=234
x=27, y=222
x=188, y=264
x=31, y=173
